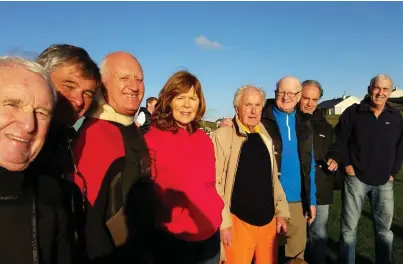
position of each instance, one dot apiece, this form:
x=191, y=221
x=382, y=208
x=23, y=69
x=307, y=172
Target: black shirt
x=373, y=146
x=16, y=226
x=252, y=197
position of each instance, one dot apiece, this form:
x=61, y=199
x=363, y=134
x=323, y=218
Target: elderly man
x=292, y=137
x=247, y=180
x=326, y=165
x=112, y=157
x=371, y=134
x=33, y=223
x=144, y=118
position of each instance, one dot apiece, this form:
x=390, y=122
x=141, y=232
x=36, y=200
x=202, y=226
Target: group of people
x=157, y=189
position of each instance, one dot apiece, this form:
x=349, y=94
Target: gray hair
x=61, y=54
x=314, y=83
x=239, y=93
x=30, y=66
x=377, y=77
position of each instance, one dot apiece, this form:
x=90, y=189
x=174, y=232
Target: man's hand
x=391, y=179
x=350, y=170
x=332, y=165
x=281, y=226
x=226, y=236
x=226, y=122
x=313, y=215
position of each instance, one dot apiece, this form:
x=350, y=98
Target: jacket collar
x=241, y=130
x=365, y=106
x=102, y=110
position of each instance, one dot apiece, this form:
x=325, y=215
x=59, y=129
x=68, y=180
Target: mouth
x=131, y=96
x=186, y=113
x=21, y=140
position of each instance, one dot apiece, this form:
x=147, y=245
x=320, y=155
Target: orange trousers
x=250, y=241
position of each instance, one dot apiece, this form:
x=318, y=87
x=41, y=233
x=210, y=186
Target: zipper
x=288, y=129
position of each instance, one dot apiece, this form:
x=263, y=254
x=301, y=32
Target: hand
x=313, y=215
x=226, y=236
x=281, y=226
x=350, y=170
x=332, y=165
x=226, y=122
x=391, y=179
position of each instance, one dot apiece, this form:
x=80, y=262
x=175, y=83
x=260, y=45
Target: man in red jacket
x=111, y=158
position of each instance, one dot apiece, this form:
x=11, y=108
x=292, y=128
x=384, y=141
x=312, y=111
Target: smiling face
x=123, y=81
x=75, y=93
x=380, y=91
x=250, y=108
x=26, y=104
x=288, y=94
x=309, y=99
x=184, y=107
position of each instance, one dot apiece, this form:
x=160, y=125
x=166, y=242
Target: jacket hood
x=103, y=111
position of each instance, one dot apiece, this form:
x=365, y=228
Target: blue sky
x=341, y=44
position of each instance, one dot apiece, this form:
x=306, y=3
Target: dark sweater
x=373, y=146
x=252, y=198
x=16, y=228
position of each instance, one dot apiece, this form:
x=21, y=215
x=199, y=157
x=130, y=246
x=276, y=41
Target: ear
x=369, y=89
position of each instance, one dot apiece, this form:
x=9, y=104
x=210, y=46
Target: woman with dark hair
x=188, y=211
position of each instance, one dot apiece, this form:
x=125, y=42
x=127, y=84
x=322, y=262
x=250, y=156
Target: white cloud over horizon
x=204, y=42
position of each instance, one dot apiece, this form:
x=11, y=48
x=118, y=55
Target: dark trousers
x=169, y=249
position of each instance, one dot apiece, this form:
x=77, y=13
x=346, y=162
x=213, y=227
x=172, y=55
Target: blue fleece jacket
x=290, y=177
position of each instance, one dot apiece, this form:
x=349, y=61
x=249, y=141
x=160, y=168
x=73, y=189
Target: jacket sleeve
x=399, y=152
x=280, y=199
x=334, y=150
x=221, y=141
x=342, y=132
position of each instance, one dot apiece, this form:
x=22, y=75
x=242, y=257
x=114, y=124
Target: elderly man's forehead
x=289, y=83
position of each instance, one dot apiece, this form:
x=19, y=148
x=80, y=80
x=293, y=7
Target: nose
x=253, y=110
x=77, y=99
x=28, y=121
x=133, y=85
x=309, y=103
x=186, y=103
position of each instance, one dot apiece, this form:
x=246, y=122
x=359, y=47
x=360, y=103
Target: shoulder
x=49, y=189
x=222, y=132
x=97, y=131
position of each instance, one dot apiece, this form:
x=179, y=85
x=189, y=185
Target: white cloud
x=204, y=42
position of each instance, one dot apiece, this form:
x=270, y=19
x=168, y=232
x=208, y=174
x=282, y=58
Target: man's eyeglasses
x=289, y=94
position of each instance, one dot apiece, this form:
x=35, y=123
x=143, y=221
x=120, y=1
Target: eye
x=124, y=78
x=89, y=94
x=69, y=87
x=42, y=114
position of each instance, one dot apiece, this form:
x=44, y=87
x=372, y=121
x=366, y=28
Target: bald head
x=288, y=93
x=122, y=77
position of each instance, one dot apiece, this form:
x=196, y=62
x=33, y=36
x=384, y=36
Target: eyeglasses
x=289, y=94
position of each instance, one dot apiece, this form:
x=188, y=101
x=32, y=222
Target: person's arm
x=141, y=119
x=220, y=140
x=280, y=198
x=399, y=153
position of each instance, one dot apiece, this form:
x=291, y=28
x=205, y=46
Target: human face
x=309, y=99
x=250, y=108
x=124, y=85
x=184, y=107
x=26, y=104
x=288, y=94
x=151, y=106
x=380, y=92
x=75, y=93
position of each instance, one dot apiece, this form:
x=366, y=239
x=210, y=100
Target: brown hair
x=178, y=83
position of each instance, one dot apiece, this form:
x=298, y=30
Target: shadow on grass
x=333, y=248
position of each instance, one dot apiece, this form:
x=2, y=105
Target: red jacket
x=184, y=167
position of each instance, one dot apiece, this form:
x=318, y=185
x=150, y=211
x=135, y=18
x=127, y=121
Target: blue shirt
x=290, y=177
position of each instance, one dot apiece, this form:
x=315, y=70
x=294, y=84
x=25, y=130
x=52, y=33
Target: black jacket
x=305, y=141
x=323, y=139
x=17, y=218
x=373, y=146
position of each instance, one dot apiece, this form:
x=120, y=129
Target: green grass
x=365, y=234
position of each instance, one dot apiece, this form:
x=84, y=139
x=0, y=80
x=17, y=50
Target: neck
x=377, y=109
x=251, y=129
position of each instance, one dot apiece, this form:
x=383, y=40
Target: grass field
x=365, y=234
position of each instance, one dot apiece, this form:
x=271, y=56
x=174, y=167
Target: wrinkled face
x=288, y=95
x=26, y=104
x=124, y=85
x=381, y=91
x=75, y=93
x=309, y=98
x=151, y=106
x=184, y=107
x=250, y=108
